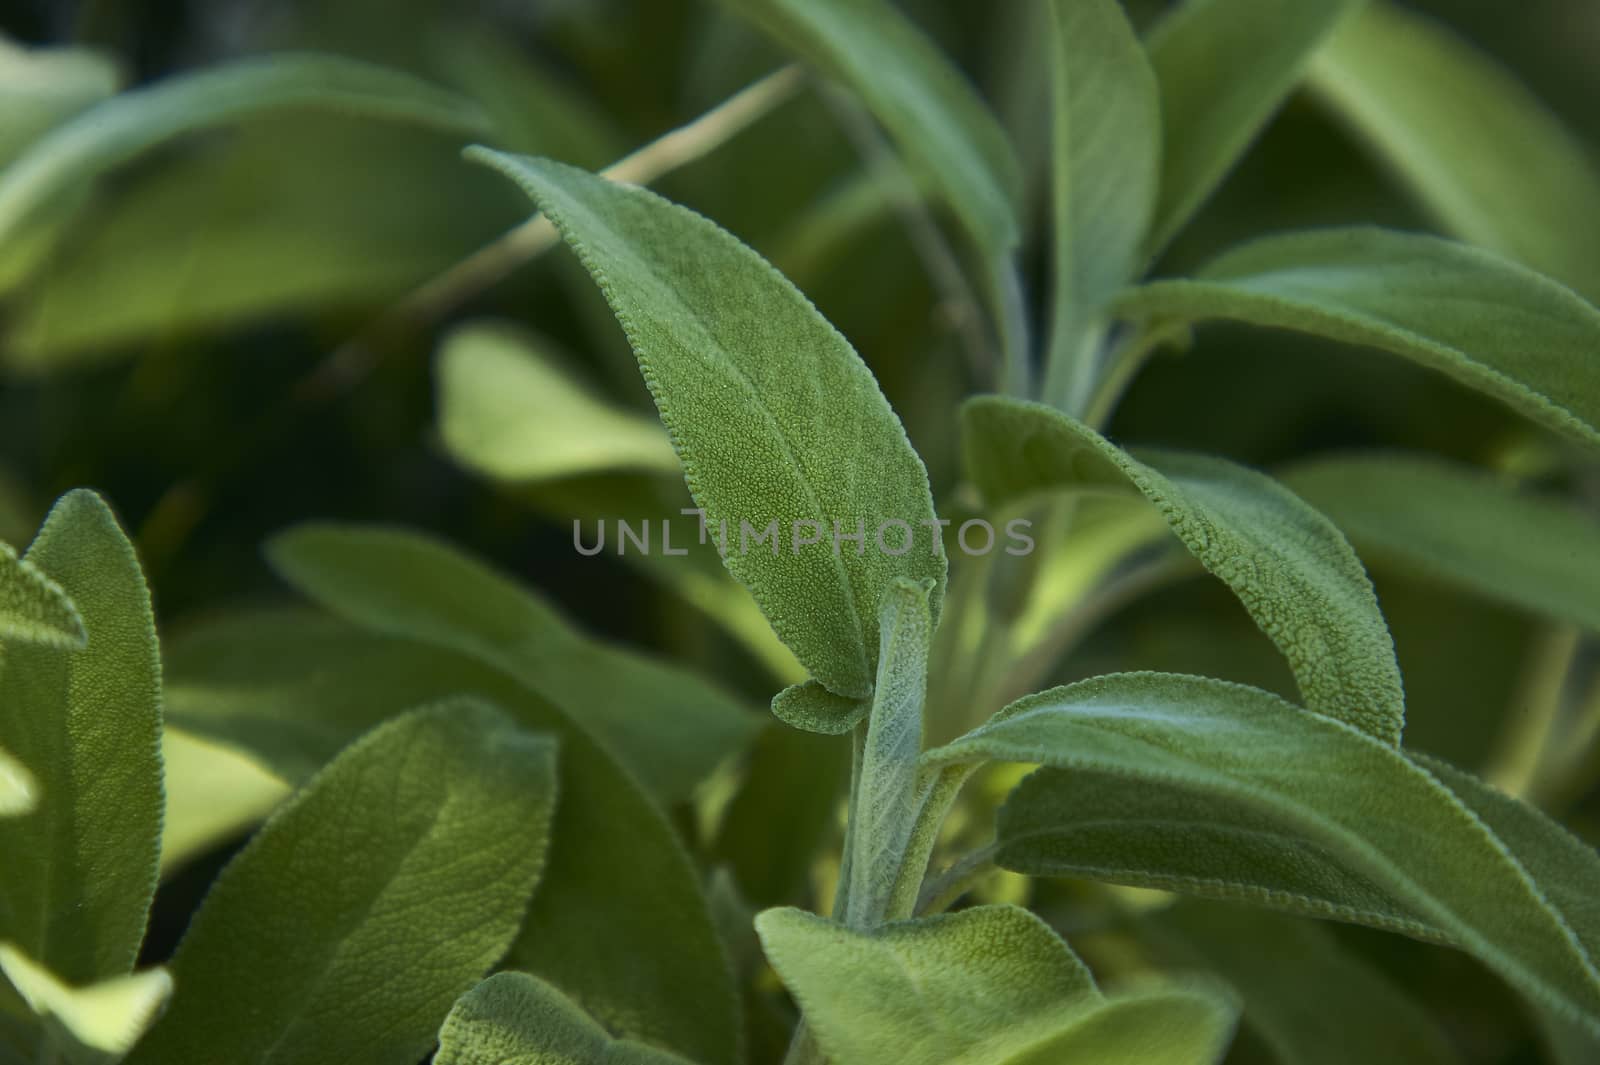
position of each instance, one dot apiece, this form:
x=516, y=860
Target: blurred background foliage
x=196, y=338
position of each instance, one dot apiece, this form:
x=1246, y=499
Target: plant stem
x=1516, y=769
x=942, y=891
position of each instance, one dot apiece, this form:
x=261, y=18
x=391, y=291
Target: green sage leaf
x=992, y=985
x=1211, y=788
x=1310, y=1000
x=619, y=921
x=940, y=124
x=86, y=722
x=33, y=608
x=1477, y=150
x=774, y=416
x=93, y=1025
x=886, y=802
x=669, y=726
x=42, y=87
x=112, y=133
x=1461, y=525
x=1484, y=321
x=356, y=953
x=517, y=1019
x=1288, y=564
x=1225, y=67
x=1107, y=132
x=509, y=410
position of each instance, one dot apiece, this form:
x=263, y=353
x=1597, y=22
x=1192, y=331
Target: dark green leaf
x=1225, y=66
x=666, y=724
x=1479, y=151
x=1464, y=526
x=309, y=949
x=619, y=921
x=1312, y=1002
x=1216, y=789
x=771, y=411
x=517, y=1019
x=937, y=120
x=1288, y=565
x=81, y=868
x=1483, y=320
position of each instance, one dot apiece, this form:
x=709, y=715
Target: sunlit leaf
x=213, y=793
x=1216, y=789
x=80, y=870
x=1483, y=320
x=510, y=410
x=1288, y=565
x=41, y=87
x=517, y=1019
x=356, y=953
x=1464, y=526
x=1225, y=67
x=1479, y=151
x=93, y=1025
x=993, y=985
x=770, y=410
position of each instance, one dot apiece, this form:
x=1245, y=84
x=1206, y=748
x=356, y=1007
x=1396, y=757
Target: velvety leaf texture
x=775, y=417
x=1107, y=133
x=508, y=409
x=119, y=129
x=33, y=608
x=1462, y=525
x=356, y=953
x=1288, y=565
x=1483, y=320
x=1310, y=1000
x=619, y=921
x=517, y=1019
x=86, y=722
x=669, y=726
x=937, y=120
x=992, y=985
x=1202, y=786
x=1478, y=151
x=1225, y=66
x=814, y=708
x=886, y=799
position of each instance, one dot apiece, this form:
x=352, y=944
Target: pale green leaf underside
x=928, y=107
x=670, y=727
x=517, y=1019
x=1487, y=322
x=1461, y=525
x=1224, y=67
x=619, y=921
x=773, y=414
x=509, y=410
x=111, y=133
x=885, y=805
x=1479, y=151
x=1288, y=565
x=1202, y=786
x=1107, y=171
x=992, y=985
x=93, y=1025
x=86, y=723
x=357, y=952
x=1310, y=1000
x=33, y=608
